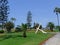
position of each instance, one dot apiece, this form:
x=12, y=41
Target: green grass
x=56, y=30
x=17, y=39
x=53, y=30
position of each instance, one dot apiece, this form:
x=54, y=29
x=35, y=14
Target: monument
x=37, y=29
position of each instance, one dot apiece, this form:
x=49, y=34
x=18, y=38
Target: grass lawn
x=17, y=39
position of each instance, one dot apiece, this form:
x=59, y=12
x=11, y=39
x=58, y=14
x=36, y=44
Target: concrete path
x=54, y=40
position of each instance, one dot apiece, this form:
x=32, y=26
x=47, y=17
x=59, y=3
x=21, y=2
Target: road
x=55, y=40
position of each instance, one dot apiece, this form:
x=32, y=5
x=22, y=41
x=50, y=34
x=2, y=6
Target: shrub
x=9, y=25
x=1, y=31
x=50, y=25
x=18, y=29
x=58, y=27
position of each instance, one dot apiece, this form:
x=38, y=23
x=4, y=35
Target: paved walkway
x=54, y=40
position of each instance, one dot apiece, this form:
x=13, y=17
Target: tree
x=18, y=28
x=40, y=26
x=29, y=19
x=57, y=27
x=24, y=28
x=9, y=25
x=50, y=25
x=57, y=11
x=35, y=25
x=3, y=11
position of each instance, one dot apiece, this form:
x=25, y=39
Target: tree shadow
x=9, y=36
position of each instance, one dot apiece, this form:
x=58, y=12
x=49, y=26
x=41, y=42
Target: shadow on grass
x=9, y=36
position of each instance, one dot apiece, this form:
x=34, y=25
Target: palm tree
x=50, y=25
x=24, y=28
x=57, y=11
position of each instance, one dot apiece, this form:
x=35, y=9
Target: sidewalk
x=54, y=40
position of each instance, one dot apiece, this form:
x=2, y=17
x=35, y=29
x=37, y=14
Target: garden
x=18, y=39
x=28, y=32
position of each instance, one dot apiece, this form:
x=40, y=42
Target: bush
x=58, y=28
x=18, y=29
x=1, y=31
x=9, y=25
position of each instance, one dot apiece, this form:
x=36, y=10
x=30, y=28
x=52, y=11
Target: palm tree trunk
x=58, y=21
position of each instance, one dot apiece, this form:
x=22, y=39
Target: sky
x=42, y=11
